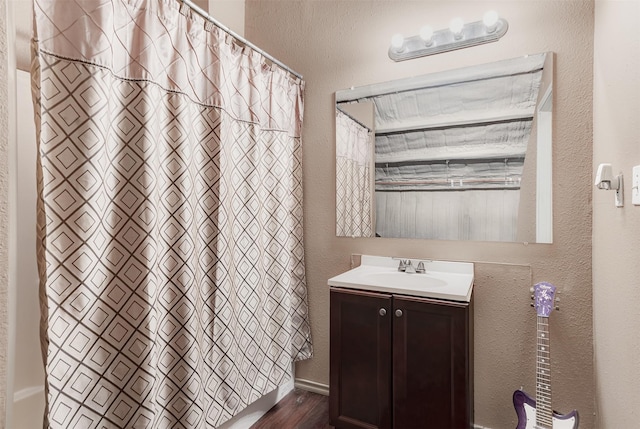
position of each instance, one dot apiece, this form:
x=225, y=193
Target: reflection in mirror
x=354, y=171
x=463, y=154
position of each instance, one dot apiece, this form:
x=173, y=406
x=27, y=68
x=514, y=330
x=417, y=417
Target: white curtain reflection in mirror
x=354, y=180
x=456, y=152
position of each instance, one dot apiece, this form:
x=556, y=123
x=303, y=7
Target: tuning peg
x=531, y=289
x=532, y=304
x=557, y=308
x=532, y=297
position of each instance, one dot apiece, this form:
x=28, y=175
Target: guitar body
x=526, y=410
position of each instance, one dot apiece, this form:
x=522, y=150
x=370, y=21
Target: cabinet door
x=360, y=379
x=432, y=385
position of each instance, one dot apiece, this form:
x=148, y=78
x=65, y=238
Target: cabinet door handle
x=382, y=312
x=398, y=313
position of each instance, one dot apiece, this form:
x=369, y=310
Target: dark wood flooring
x=298, y=410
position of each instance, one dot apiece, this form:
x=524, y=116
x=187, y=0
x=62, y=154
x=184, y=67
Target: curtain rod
x=227, y=30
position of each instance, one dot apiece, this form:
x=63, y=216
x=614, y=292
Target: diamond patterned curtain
x=354, y=180
x=170, y=217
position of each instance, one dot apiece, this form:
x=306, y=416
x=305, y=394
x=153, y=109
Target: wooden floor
x=298, y=410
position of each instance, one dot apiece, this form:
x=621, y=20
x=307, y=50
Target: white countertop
x=442, y=280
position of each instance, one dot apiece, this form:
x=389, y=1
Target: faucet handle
x=420, y=268
x=402, y=266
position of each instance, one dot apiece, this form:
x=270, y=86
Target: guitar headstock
x=544, y=295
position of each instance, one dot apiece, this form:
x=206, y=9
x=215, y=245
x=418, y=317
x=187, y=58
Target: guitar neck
x=544, y=412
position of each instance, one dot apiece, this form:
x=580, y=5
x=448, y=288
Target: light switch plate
x=635, y=186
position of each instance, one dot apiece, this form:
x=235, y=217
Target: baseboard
x=311, y=386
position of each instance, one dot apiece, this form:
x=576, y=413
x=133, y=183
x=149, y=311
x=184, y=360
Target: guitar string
x=544, y=415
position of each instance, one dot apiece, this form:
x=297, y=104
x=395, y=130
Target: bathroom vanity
x=398, y=359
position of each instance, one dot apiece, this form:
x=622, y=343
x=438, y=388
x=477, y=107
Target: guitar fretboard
x=544, y=412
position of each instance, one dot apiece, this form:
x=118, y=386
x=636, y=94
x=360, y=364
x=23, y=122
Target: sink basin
x=400, y=278
x=442, y=280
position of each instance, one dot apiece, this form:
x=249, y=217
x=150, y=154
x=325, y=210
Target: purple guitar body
x=542, y=416
x=525, y=409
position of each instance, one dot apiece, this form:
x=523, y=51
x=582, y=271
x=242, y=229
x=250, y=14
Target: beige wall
x=616, y=231
x=4, y=209
x=228, y=12
x=338, y=44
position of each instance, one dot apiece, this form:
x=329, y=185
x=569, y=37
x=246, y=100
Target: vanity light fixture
x=459, y=35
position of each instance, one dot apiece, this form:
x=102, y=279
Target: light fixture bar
x=473, y=33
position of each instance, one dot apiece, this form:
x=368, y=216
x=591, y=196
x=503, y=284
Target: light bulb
x=397, y=42
x=456, y=26
x=426, y=34
x=490, y=20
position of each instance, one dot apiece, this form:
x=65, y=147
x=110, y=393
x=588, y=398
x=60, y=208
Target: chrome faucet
x=406, y=266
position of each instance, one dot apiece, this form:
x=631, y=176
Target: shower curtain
x=170, y=217
x=354, y=180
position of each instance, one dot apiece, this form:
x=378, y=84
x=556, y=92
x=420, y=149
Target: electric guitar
x=538, y=414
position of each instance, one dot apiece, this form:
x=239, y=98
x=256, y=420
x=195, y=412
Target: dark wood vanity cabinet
x=400, y=362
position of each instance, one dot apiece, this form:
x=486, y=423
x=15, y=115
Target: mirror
x=458, y=155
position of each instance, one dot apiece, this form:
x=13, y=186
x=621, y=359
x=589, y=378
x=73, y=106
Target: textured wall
x=338, y=44
x=616, y=231
x=4, y=208
x=228, y=12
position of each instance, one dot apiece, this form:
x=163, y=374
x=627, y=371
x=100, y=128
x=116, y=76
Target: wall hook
x=605, y=180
